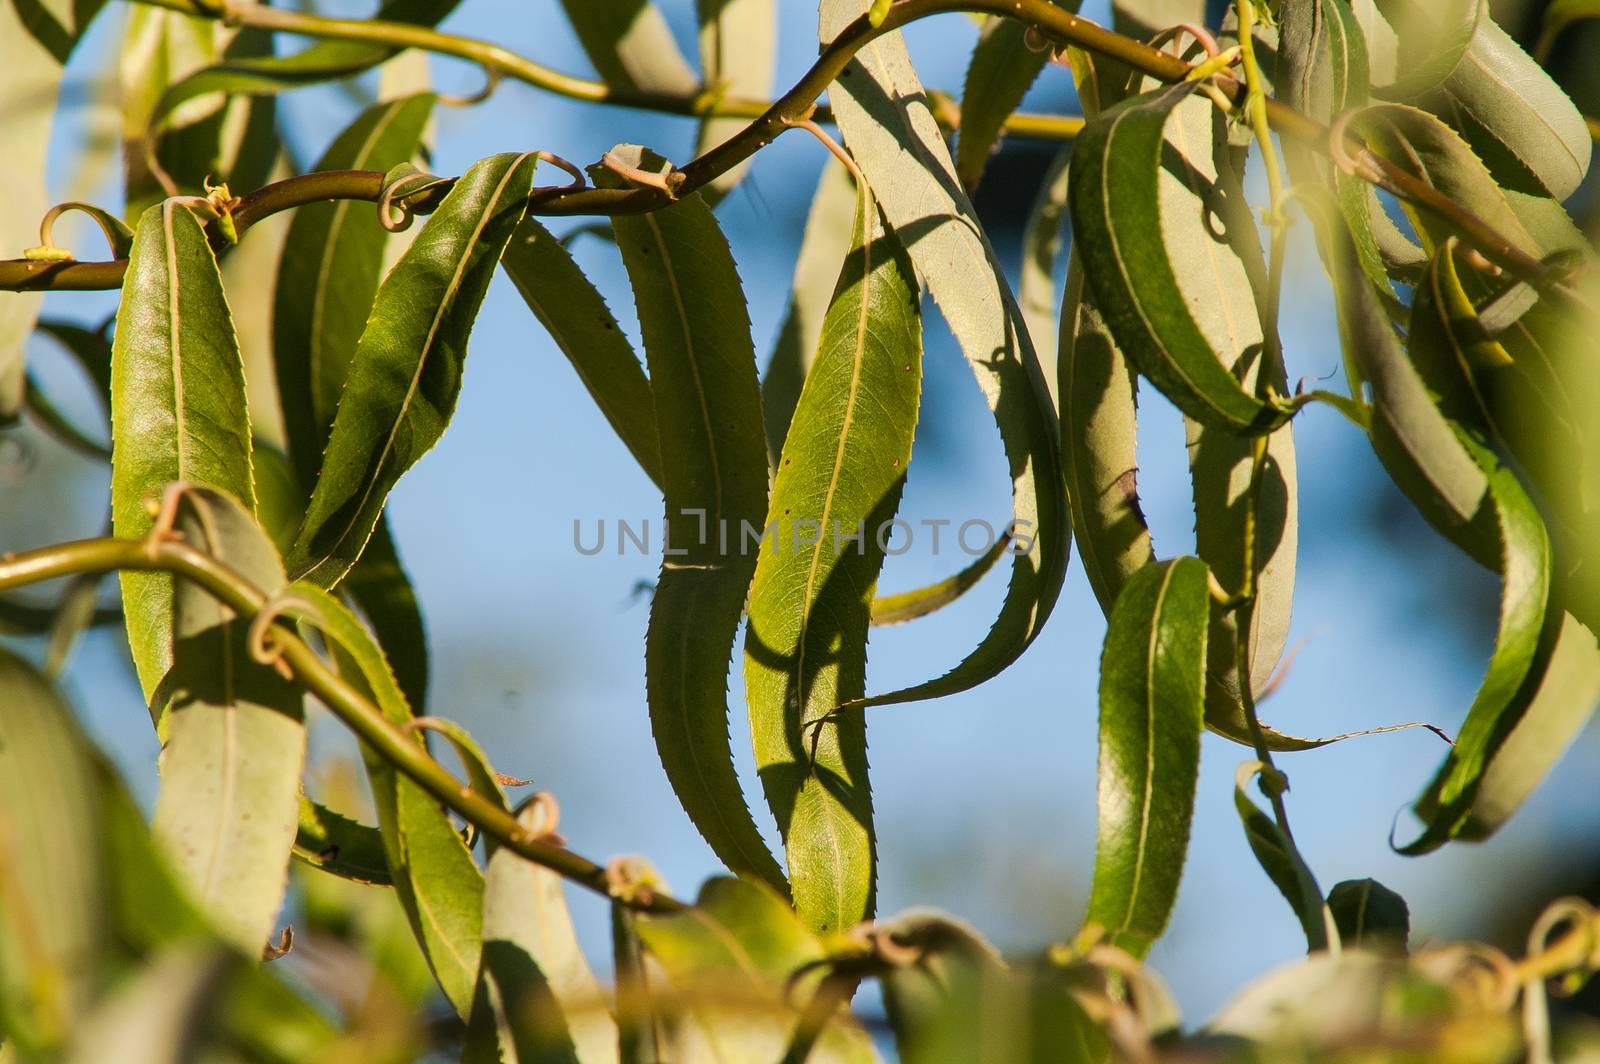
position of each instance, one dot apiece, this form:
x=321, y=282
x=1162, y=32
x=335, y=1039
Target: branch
x=348, y=704
x=1057, y=24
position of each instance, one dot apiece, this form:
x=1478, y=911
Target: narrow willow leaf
x=267, y=74
x=829, y=226
x=630, y=45
x=1142, y=258
x=1556, y=712
x=1003, y=67
x=1145, y=18
x=34, y=46
x=178, y=408
x=405, y=374
x=1526, y=129
x=537, y=998
x=575, y=314
x=1417, y=446
x=1280, y=860
x=738, y=54
x=883, y=114
x=838, y=485
x=335, y=843
x=1431, y=39
x=226, y=813
x=328, y=275
x=1423, y=145
x=1042, y=238
x=381, y=591
x=1152, y=696
x=743, y=965
x=638, y=1034
x=714, y=473
x=53, y=925
x=910, y=605
x=1370, y=916
x=1099, y=431
x=434, y=875
x=1520, y=657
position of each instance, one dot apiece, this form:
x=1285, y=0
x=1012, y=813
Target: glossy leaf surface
x=178, y=408
x=1152, y=693
x=837, y=487
x=405, y=374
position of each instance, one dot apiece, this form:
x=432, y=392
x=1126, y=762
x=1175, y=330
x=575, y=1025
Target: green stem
x=348, y=704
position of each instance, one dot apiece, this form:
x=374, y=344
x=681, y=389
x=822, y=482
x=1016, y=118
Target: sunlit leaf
x=1144, y=251
x=575, y=314
x=910, y=605
x=53, y=922
x=742, y=965
x=328, y=274
x=714, y=474
x=1152, y=694
x=433, y=872
x=630, y=45
x=837, y=488
x=1037, y=290
x=738, y=54
x=405, y=374
x=1520, y=656
x=1431, y=40
x=537, y=999
x=235, y=742
x=829, y=225
x=883, y=114
x=178, y=408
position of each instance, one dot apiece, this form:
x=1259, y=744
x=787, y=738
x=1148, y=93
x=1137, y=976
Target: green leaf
x=34, y=46
x=575, y=314
x=53, y=923
x=829, y=226
x=1002, y=69
x=714, y=472
x=406, y=371
x=267, y=74
x=1098, y=393
x=235, y=745
x=910, y=605
x=1520, y=656
x=638, y=1036
x=335, y=843
x=956, y=1001
x=1042, y=238
x=1149, y=256
x=537, y=999
x=840, y=476
x=883, y=114
x=1526, y=129
x=381, y=590
x=1152, y=695
x=744, y=965
x=328, y=274
x=630, y=45
x=738, y=54
x=1565, y=700
x=434, y=875
x=178, y=409
x=1421, y=144
x=1370, y=916
x=1431, y=40
x=1279, y=858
